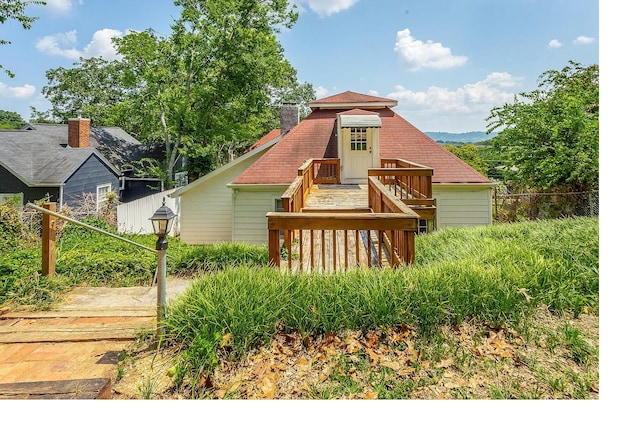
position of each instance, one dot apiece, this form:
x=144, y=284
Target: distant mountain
x=460, y=138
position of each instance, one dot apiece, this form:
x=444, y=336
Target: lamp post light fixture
x=162, y=220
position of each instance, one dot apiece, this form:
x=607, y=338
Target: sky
x=447, y=63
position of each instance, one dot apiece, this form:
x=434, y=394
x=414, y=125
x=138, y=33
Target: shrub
x=11, y=227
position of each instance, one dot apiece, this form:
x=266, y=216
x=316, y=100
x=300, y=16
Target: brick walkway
x=80, y=339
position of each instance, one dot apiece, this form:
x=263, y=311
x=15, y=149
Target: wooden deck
x=327, y=197
x=327, y=226
x=325, y=250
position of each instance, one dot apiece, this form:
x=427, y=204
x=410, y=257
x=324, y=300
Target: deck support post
x=49, y=241
x=274, y=248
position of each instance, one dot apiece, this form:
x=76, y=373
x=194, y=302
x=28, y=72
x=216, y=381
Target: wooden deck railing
x=409, y=182
x=400, y=194
x=400, y=246
x=337, y=241
x=312, y=171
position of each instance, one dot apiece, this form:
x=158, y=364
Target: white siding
x=206, y=210
x=250, y=210
x=458, y=206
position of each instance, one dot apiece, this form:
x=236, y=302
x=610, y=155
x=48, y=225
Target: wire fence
x=532, y=206
x=32, y=219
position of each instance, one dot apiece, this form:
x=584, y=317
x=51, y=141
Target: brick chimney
x=289, y=117
x=79, y=132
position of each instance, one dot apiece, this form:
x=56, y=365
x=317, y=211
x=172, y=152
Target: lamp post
x=162, y=220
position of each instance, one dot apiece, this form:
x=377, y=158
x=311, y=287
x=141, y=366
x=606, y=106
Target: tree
x=549, y=136
x=37, y=116
x=94, y=88
x=14, y=10
x=10, y=120
x=470, y=154
x=204, y=92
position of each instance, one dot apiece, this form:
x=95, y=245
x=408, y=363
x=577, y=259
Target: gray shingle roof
x=38, y=154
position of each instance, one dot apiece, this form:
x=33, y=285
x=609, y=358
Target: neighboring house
x=65, y=163
x=230, y=203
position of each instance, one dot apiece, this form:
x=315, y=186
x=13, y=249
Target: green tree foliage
x=37, y=116
x=10, y=120
x=14, y=10
x=470, y=154
x=549, y=136
x=206, y=91
x=92, y=88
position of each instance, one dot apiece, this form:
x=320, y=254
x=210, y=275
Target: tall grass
x=83, y=258
x=203, y=259
x=498, y=274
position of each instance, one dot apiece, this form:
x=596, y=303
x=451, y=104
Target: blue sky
x=446, y=62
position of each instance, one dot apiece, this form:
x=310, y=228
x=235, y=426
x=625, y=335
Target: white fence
x=133, y=217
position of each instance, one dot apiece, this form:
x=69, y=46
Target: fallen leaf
x=372, y=338
x=392, y=365
x=408, y=370
x=523, y=291
x=411, y=352
x=373, y=356
x=371, y=395
x=268, y=386
x=225, y=340
x=445, y=363
x=353, y=345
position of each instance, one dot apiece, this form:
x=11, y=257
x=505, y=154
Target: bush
x=11, y=228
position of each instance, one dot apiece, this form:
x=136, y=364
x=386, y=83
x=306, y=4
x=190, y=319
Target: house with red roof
x=231, y=203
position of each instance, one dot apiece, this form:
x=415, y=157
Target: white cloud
x=101, y=44
x=374, y=93
x=56, y=44
x=554, y=44
x=583, y=40
x=416, y=54
x=326, y=7
x=459, y=110
x=59, y=6
x=321, y=92
x=63, y=44
x=20, y=92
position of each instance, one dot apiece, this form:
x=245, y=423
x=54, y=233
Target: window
x=358, y=139
x=101, y=194
x=423, y=226
x=280, y=208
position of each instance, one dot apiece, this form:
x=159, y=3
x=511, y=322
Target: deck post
x=274, y=248
x=49, y=241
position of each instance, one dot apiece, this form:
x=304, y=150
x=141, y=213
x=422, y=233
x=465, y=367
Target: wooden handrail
x=400, y=193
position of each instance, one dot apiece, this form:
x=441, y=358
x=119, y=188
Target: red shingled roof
x=268, y=137
x=358, y=112
x=353, y=99
x=315, y=137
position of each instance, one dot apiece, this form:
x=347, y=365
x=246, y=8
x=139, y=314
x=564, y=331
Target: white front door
x=357, y=155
